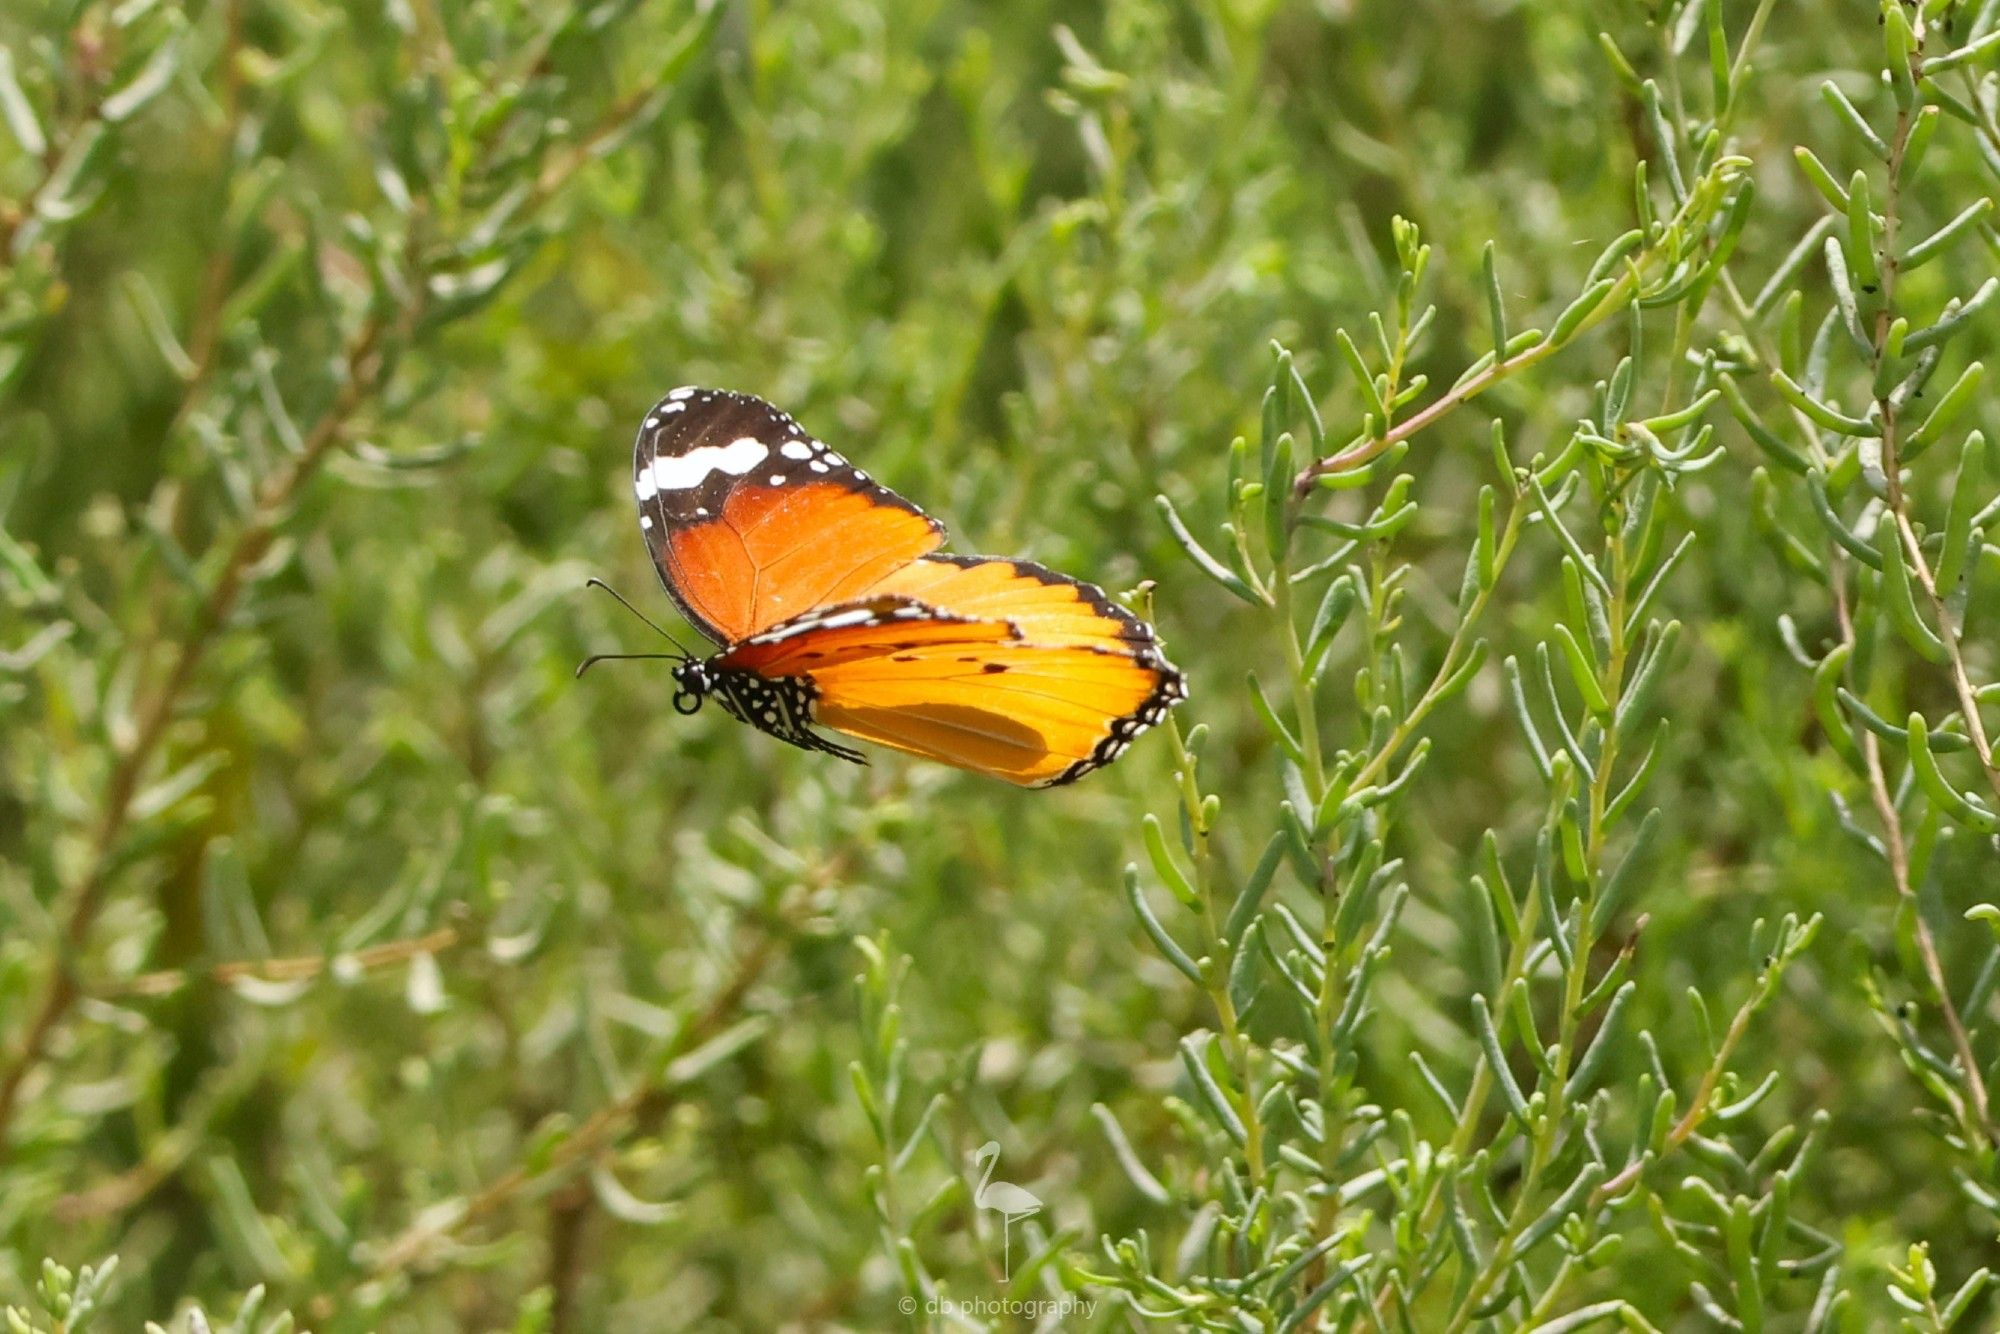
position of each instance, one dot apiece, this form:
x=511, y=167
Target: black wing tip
x=692, y=399
x=1170, y=690
x=691, y=415
x=700, y=393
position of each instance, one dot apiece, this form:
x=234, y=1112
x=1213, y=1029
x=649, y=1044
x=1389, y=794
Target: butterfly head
x=693, y=679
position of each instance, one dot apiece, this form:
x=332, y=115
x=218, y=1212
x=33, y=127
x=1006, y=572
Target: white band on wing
x=686, y=471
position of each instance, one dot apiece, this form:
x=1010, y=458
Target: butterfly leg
x=814, y=741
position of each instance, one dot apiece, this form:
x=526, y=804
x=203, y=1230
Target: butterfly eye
x=693, y=683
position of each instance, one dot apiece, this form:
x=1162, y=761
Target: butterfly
x=835, y=608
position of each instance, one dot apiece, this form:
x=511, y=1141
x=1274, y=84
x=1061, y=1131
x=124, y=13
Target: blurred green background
x=351, y=309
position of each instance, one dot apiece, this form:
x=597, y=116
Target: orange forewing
x=775, y=552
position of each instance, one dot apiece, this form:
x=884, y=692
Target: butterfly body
x=836, y=609
x=781, y=706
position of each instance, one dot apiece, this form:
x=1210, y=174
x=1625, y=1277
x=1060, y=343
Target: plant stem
x=1968, y=705
x=1546, y=1137
x=1301, y=683
x=170, y=980
x=1235, y=1044
x=1698, y=1108
x=86, y=899
x=594, y=1136
x=1624, y=290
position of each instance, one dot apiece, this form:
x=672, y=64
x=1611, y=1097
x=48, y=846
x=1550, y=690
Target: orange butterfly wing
x=1032, y=714
x=750, y=521
x=997, y=666
x=1049, y=608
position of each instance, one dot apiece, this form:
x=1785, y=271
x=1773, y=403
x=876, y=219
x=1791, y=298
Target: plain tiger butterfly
x=834, y=608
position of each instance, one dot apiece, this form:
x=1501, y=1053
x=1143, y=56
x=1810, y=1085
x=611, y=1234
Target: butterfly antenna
x=594, y=582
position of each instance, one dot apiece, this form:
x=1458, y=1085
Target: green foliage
x=1553, y=438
